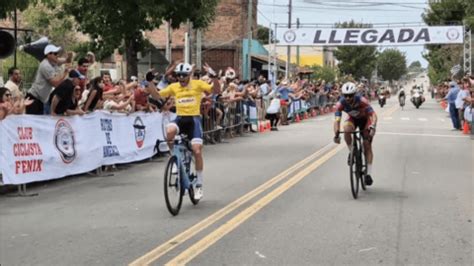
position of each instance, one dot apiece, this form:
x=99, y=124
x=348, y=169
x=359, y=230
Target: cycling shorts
x=362, y=124
x=191, y=126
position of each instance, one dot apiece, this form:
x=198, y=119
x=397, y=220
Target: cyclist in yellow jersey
x=188, y=94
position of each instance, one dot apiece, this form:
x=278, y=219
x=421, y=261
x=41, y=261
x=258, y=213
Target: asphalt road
x=264, y=204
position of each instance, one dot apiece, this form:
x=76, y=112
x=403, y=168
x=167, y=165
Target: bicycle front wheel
x=362, y=168
x=172, y=186
x=354, y=176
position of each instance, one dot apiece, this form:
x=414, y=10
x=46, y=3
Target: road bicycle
x=357, y=164
x=401, y=99
x=180, y=175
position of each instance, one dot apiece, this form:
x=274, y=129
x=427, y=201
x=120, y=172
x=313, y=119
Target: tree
x=359, y=61
x=442, y=57
x=391, y=64
x=7, y=7
x=323, y=73
x=51, y=21
x=116, y=23
x=415, y=64
x=262, y=34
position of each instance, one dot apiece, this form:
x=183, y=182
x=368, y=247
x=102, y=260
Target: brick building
x=221, y=41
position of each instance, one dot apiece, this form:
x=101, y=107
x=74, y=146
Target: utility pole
x=298, y=47
x=188, y=43
x=198, y=49
x=288, y=48
x=249, y=39
x=168, y=41
x=467, y=50
x=16, y=34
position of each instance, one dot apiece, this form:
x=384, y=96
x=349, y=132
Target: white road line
x=422, y=119
x=422, y=135
x=388, y=118
x=405, y=118
x=321, y=119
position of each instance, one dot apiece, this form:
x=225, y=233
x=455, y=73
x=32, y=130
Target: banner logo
x=452, y=34
x=140, y=132
x=64, y=141
x=290, y=36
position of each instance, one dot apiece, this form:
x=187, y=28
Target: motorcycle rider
x=401, y=96
x=382, y=97
x=416, y=92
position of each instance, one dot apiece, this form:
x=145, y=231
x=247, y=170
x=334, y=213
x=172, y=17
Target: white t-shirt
x=14, y=89
x=460, y=98
x=274, y=107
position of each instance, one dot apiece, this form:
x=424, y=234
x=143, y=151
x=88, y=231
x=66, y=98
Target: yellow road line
x=390, y=111
x=229, y=226
x=159, y=251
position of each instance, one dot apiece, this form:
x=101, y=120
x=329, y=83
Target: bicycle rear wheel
x=353, y=172
x=172, y=186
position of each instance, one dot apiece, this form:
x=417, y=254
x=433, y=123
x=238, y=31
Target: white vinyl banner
x=371, y=36
x=36, y=148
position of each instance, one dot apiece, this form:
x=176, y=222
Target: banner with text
x=36, y=148
x=398, y=36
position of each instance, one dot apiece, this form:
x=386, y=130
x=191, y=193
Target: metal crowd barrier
x=224, y=120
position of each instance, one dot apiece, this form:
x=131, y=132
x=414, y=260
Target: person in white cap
x=49, y=75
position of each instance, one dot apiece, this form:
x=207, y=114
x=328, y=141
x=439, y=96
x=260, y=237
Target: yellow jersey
x=188, y=99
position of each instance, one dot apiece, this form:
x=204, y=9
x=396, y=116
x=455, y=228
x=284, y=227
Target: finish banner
x=35, y=148
x=398, y=36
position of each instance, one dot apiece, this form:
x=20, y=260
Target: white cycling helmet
x=230, y=73
x=349, y=88
x=183, y=68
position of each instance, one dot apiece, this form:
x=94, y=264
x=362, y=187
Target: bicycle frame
x=184, y=154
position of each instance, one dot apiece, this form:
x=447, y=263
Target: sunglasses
x=54, y=53
x=8, y=95
x=182, y=75
x=350, y=96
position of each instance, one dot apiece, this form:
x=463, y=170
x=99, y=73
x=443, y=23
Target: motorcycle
x=382, y=100
x=417, y=99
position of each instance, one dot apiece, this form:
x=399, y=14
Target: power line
x=310, y=8
x=265, y=17
x=354, y=4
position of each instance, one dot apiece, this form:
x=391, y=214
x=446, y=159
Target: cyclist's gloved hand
x=372, y=130
x=337, y=139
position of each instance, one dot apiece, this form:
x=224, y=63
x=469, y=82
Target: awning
x=263, y=59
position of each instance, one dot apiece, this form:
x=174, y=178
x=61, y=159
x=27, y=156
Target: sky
x=382, y=12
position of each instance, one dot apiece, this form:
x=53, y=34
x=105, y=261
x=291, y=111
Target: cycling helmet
x=349, y=88
x=183, y=68
x=230, y=73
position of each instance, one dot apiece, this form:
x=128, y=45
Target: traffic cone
x=465, y=128
x=261, y=127
x=443, y=104
x=297, y=118
x=268, y=125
